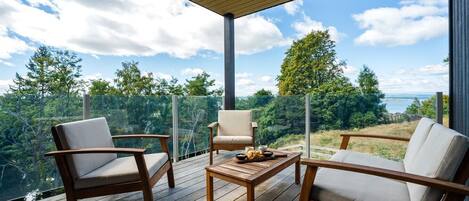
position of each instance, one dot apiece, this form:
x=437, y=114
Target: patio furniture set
x=435, y=167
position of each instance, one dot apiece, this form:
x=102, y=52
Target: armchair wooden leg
x=306, y=188
x=170, y=175
x=70, y=197
x=147, y=193
x=211, y=156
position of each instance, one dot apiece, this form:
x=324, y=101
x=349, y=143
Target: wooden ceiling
x=238, y=8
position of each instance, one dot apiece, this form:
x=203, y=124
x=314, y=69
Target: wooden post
x=229, y=101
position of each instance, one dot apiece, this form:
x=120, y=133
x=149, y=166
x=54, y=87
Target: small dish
x=241, y=156
x=268, y=153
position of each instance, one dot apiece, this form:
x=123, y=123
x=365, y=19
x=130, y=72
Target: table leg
x=209, y=181
x=250, y=192
x=297, y=172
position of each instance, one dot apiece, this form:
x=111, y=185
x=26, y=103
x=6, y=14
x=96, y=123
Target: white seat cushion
x=89, y=133
x=337, y=185
x=121, y=170
x=418, y=138
x=347, y=156
x=232, y=140
x=439, y=157
x=234, y=123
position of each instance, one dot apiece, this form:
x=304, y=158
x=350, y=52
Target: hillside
x=325, y=143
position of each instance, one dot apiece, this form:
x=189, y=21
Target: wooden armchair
x=235, y=130
x=435, y=167
x=89, y=166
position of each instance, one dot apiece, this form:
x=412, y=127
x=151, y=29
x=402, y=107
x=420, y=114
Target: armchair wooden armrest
x=346, y=138
x=141, y=136
x=96, y=151
x=213, y=125
x=254, y=124
x=313, y=165
x=162, y=138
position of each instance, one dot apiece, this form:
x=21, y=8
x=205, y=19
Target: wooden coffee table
x=250, y=174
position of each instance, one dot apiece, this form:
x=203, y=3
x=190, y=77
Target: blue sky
x=404, y=42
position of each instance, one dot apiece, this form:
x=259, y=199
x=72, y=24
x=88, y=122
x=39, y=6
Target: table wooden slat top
x=254, y=172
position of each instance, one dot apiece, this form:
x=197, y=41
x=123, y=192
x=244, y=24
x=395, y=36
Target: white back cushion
x=234, y=123
x=89, y=133
x=439, y=157
x=418, y=138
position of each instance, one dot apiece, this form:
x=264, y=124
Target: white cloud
x=163, y=76
x=425, y=2
x=191, y=72
x=350, y=70
x=243, y=75
x=435, y=69
x=247, y=83
x=415, y=21
x=266, y=78
x=429, y=78
x=293, y=7
x=5, y=85
x=305, y=27
x=95, y=76
x=144, y=28
x=10, y=45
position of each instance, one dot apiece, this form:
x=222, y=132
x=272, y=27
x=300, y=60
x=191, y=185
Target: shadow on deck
x=190, y=185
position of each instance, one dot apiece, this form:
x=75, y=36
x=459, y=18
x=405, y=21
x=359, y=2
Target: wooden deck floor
x=190, y=185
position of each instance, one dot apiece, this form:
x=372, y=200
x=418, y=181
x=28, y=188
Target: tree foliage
x=427, y=108
x=309, y=62
x=200, y=85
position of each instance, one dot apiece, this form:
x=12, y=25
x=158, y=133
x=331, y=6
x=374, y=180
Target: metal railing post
x=439, y=107
x=86, y=106
x=307, y=126
x=175, y=128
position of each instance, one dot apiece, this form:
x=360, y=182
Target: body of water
x=399, y=102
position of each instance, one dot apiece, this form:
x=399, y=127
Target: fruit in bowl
x=253, y=154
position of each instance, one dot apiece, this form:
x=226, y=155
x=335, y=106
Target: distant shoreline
x=399, y=102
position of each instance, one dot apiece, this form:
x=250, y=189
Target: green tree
x=129, y=80
x=101, y=87
x=259, y=99
x=333, y=103
x=200, y=85
x=368, y=82
x=371, y=96
x=171, y=87
x=65, y=73
x=427, y=108
x=414, y=108
x=309, y=62
x=44, y=96
x=37, y=79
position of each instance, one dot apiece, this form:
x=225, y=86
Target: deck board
x=190, y=185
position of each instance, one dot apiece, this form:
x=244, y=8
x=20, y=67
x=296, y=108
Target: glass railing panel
x=194, y=115
x=334, y=114
x=135, y=115
x=25, y=122
x=281, y=121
